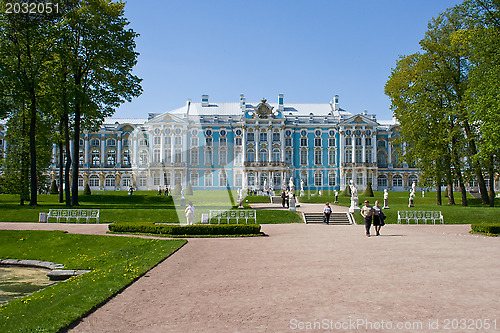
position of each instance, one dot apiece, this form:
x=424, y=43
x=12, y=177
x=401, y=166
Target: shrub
x=369, y=191
x=87, y=190
x=189, y=189
x=53, y=188
x=177, y=230
x=347, y=191
x=177, y=189
x=493, y=229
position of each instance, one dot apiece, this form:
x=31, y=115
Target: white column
x=172, y=150
x=135, y=153
x=341, y=148
x=150, y=145
x=103, y=150
x=389, y=151
x=282, y=145
x=87, y=149
x=119, y=149
x=184, y=148
x=363, y=147
x=270, y=143
x=374, y=148
x=162, y=148
x=353, y=147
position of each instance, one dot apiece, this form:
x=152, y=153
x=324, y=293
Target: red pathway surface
x=329, y=276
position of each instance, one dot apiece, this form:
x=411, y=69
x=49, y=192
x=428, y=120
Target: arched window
x=111, y=142
x=331, y=157
x=318, y=178
x=95, y=157
x=348, y=155
x=111, y=157
x=318, y=155
x=411, y=179
x=109, y=181
x=332, y=179
x=126, y=181
x=94, y=180
x=80, y=181
x=126, y=158
x=276, y=155
x=142, y=181
x=238, y=157
x=303, y=156
x=222, y=157
x=193, y=178
x=251, y=155
x=382, y=181
x=382, y=159
x=397, y=181
x=95, y=142
x=263, y=155
x=222, y=179
x=156, y=155
x=359, y=156
x=208, y=179
x=208, y=157
x=288, y=156
x=251, y=179
x=143, y=157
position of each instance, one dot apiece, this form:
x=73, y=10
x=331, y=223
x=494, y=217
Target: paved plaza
x=310, y=275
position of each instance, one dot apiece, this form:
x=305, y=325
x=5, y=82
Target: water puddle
x=18, y=281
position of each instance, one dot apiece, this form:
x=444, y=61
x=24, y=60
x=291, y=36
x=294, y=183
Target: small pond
x=18, y=281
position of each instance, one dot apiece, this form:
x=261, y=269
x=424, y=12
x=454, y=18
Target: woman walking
x=327, y=211
x=377, y=218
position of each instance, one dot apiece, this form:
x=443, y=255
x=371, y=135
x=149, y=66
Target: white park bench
x=240, y=214
x=424, y=216
x=78, y=214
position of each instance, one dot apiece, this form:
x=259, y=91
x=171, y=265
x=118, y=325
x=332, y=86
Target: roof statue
x=263, y=110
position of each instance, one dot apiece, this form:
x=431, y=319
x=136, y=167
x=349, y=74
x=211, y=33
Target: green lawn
x=115, y=262
x=474, y=213
x=142, y=206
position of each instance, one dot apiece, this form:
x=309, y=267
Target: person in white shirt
x=327, y=211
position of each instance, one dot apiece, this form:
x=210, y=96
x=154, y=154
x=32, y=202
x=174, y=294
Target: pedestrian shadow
x=392, y=235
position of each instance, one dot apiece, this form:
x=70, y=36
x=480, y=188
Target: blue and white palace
x=215, y=145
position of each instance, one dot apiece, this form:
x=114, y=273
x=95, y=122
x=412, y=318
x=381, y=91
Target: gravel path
x=315, y=275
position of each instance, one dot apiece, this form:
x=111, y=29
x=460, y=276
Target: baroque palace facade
x=243, y=145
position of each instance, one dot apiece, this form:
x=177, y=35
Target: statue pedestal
x=386, y=206
x=302, y=193
x=292, y=205
x=354, y=206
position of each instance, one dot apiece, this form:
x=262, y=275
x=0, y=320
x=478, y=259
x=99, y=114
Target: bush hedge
x=53, y=188
x=493, y=229
x=178, y=230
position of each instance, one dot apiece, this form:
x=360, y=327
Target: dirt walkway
x=305, y=275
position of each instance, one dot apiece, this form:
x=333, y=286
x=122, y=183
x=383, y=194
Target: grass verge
x=115, y=262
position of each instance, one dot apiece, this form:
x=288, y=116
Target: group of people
x=285, y=198
x=373, y=214
x=160, y=192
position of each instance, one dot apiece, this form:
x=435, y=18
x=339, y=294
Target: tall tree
x=101, y=57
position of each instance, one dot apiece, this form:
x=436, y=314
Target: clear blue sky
x=309, y=50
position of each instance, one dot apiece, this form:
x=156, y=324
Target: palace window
x=80, y=181
x=194, y=156
x=303, y=157
x=111, y=158
x=288, y=142
x=111, y=142
x=359, y=179
x=238, y=141
x=276, y=155
x=143, y=142
x=348, y=155
x=332, y=179
x=263, y=137
x=109, y=181
x=358, y=142
x=303, y=141
x=193, y=178
x=222, y=157
x=368, y=142
x=94, y=180
x=195, y=141
x=251, y=179
x=369, y=156
x=156, y=179
x=178, y=156
x=126, y=142
x=318, y=179
x=263, y=155
x=223, y=141
x=348, y=141
x=208, y=157
x=317, y=142
x=381, y=143
x=276, y=137
x=250, y=137
x=238, y=158
x=359, y=155
x=142, y=181
x=95, y=142
x=126, y=181
x=208, y=179
x=167, y=178
x=238, y=180
x=95, y=156
x=331, y=142
x=318, y=157
x=414, y=178
x=331, y=157
x=157, y=140
x=397, y=181
x=208, y=141
x=168, y=155
x=276, y=179
x=143, y=158
x=222, y=179
x=251, y=155
x=168, y=141
x=156, y=155
x=288, y=156
x=126, y=157
x=178, y=140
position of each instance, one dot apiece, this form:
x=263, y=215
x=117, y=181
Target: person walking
x=283, y=198
x=367, y=213
x=189, y=211
x=377, y=218
x=327, y=211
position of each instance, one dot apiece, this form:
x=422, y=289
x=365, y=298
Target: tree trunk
x=439, y=193
x=76, y=152
x=67, y=189
x=451, y=197
x=475, y=165
x=32, y=135
x=492, y=182
x=61, y=171
x=463, y=191
x=24, y=195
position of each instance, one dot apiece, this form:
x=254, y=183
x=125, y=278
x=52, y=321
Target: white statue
x=423, y=193
x=265, y=184
x=336, y=197
x=410, y=199
x=354, y=198
x=386, y=199
x=302, y=187
x=413, y=187
x=291, y=184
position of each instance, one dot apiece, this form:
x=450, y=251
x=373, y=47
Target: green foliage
x=368, y=191
x=54, y=189
x=164, y=229
x=347, y=192
x=87, y=190
x=115, y=263
x=489, y=229
x=189, y=189
x=177, y=189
